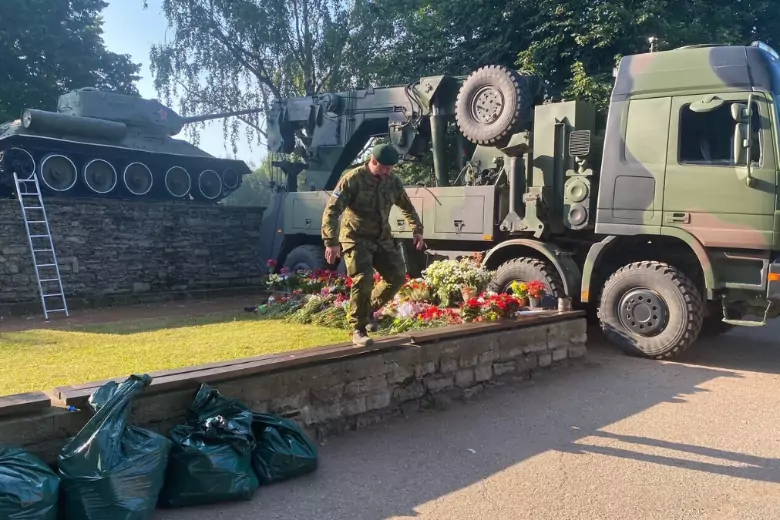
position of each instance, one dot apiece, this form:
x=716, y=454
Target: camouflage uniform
x=366, y=239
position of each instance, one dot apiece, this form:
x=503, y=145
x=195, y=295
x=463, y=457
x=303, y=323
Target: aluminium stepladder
x=36, y=223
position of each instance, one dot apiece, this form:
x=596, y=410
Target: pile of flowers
x=490, y=307
x=453, y=280
x=449, y=292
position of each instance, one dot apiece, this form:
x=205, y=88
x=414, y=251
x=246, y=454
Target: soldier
x=365, y=195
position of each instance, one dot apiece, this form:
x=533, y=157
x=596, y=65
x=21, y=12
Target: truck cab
x=688, y=180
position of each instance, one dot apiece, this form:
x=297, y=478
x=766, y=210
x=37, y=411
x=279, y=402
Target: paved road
x=618, y=438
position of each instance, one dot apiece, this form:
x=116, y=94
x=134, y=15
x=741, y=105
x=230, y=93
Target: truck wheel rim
x=643, y=312
x=487, y=105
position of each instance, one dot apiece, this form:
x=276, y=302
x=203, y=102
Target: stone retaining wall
x=112, y=250
x=332, y=389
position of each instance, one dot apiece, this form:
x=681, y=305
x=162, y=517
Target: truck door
x=706, y=193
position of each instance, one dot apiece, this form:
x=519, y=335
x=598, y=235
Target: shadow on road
x=749, y=349
x=388, y=471
x=750, y=467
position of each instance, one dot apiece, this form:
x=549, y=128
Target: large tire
x=527, y=269
x=651, y=310
x=306, y=258
x=494, y=103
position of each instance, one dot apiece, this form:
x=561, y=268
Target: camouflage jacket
x=365, y=202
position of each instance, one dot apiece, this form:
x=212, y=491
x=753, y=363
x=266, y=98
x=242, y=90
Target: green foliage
x=50, y=47
x=236, y=54
x=576, y=44
x=255, y=189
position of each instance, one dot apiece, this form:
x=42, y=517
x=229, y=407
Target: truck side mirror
x=743, y=137
x=740, y=144
x=739, y=112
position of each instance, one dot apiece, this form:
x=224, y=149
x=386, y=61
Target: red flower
x=349, y=282
x=271, y=263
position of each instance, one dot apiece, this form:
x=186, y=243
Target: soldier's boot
x=361, y=339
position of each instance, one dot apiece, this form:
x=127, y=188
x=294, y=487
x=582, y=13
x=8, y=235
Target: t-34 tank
x=102, y=144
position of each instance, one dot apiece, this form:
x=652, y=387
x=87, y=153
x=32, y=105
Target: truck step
x=745, y=323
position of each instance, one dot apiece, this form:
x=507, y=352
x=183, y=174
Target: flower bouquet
x=520, y=291
x=536, y=293
x=454, y=280
x=416, y=290
x=489, y=307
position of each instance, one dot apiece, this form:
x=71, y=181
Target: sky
x=131, y=29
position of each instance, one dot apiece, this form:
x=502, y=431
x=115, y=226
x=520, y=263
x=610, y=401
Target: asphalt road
x=616, y=438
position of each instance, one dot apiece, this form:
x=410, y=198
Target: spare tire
x=494, y=103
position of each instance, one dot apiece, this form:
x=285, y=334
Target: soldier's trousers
x=360, y=261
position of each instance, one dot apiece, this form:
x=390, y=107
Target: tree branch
x=222, y=107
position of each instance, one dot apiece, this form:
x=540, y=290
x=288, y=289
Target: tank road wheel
x=306, y=258
x=492, y=104
x=527, y=269
x=651, y=310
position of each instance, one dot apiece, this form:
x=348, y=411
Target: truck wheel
x=492, y=104
x=651, y=310
x=527, y=269
x=306, y=258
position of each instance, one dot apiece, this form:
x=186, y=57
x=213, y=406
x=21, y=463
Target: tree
x=52, y=46
x=429, y=37
x=241, y=54
x=575, y=44
x=255, y=189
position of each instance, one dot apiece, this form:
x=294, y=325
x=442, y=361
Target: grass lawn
x=44, y=358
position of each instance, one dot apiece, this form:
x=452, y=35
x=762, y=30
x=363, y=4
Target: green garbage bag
x=29, y=489
x=282, y=450
x=112, y=470
x=211, y=458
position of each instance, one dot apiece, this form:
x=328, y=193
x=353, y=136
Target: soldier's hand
x=332, y=254
x=418, y=242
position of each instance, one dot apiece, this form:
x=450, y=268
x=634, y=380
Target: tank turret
x=104, y=144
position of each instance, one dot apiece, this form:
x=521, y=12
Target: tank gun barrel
x=221, y=115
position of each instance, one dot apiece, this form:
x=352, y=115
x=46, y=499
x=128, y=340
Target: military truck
x=663, y=221
x=102, y=144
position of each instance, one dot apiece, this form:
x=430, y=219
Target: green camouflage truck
x=663, y=221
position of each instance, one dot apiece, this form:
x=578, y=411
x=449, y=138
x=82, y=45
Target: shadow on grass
x=166, y=323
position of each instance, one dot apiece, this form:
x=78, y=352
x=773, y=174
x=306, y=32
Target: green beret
x=385, y=154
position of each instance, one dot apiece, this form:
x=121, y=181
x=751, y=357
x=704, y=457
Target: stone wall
x=107, y=249
x=333, y=389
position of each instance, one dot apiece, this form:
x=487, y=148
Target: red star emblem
x=163, y=114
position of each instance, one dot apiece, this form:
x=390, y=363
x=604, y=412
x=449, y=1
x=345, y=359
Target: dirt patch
x=129, y=313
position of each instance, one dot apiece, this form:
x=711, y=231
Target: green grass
x=41, y=359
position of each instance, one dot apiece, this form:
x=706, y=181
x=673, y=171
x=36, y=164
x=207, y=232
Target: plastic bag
x=111, y=470
x=29, y=489
x=211, y=458
x=282, y=450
